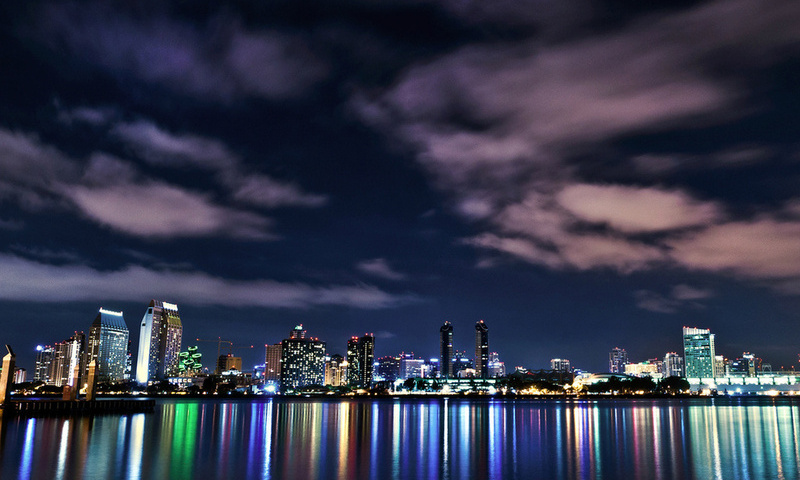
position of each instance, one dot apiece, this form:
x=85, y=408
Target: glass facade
x=107, y=346
x=446, y=350
x=698, y=352
x=360, y=356
x=481, y=350
x=302, y=362
x=160, y=336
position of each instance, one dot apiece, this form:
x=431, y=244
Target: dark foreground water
x=391, y=439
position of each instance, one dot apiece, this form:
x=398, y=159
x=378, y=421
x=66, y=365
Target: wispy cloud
x=27, y=280
x=679, y=297
x=379, y=267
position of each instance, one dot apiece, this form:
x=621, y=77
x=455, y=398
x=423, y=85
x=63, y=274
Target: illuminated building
x=20, y=375
x=45, y=355
x=159, y=342
x=698, y=352
x=387, y=369
x=642, y=369
x=302, y=361
x=462, y=365
x=68, y=355
x=617, y=359
x=335, y=371
x=228, y=362
x=360, y=357
x=745, y=365
x=560, y=365
x=481, y=350
x=411, y=367
x=673, y=365
x=272, y=363
x=107, y=346
x=496, y=367
x=446, y=350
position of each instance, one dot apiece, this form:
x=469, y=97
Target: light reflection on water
x=397, y=439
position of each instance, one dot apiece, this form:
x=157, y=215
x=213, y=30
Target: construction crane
x=219, y=341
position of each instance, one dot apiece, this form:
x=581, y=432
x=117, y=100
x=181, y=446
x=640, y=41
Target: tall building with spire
x=446, y=350
x=481, y=349
x=107, y=345
x=159, y=342
x=360, y=357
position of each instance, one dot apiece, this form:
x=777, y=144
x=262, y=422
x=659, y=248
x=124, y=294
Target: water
x=398, y=439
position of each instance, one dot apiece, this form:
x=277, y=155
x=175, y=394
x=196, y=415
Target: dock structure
x=37, y=408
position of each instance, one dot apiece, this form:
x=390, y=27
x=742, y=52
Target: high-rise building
x=481, y=349
x=463, y=366
x=272, y=363
x=617, y=359
x=360, y=357
x=745, y=365
x=560, y=365
x=302, y=361
x=387, y=369
x=68, y=362
x=673, y=365
x=411, y=367
x=496, y=367
x=44, y=361
x=159, y=342
x=107, y=346
x=446, y=350
x=335, y=371
x=698, y=352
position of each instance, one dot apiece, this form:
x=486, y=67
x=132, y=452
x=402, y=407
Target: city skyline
x=579, y=176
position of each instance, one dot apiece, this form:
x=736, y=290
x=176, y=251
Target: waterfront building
x=722, y=366
x=107, y=346
x=463, y=366
x=302, y=361
x=496, y=367
x=560, y=365
x=45, y=355
x=698, y=353
x=411, y=367
x=446, y=350
x=387, y=369
x=642, y=369
x=335, y=370
x=617, y=359
x=190, y=362
x=68, y=362
x=744, y=365
x=272, y=363
x=160, y=338
x=228, y=362
x=360, y=357
x=481, y=349
x=673, y=365
x=431, y=368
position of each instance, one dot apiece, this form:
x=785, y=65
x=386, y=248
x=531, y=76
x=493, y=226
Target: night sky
x=581, y=175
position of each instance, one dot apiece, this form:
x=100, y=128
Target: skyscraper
x=698, y=352
x=302, y=361
x=360, y=356
x=617, y=359
x=107, y=346
x=673, y=365
x=496, y=367
x=481, y=350
x=272, y=363
x=159, y=342
x=388, y=368
x=560, y=365
x=68, y=362
x=44, y=360
x=446, y=350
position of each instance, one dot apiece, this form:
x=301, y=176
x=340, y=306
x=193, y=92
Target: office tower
x=699, y=355
x=673, y=365
x=128, y=375
x=272, y=363
x=335, y=371
x=360, y=357
x=44, y=360
x=159, y=342
x=463, y=366
x=107, y=346
x=744, y=365
x=481, y=350
x=302, y=361
x=446, y=350
x=387, y=369
x=496, y=367
x=20, y=375
x=560, y=365
x=617, y=359
x=411, y=367
x=69, y=354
